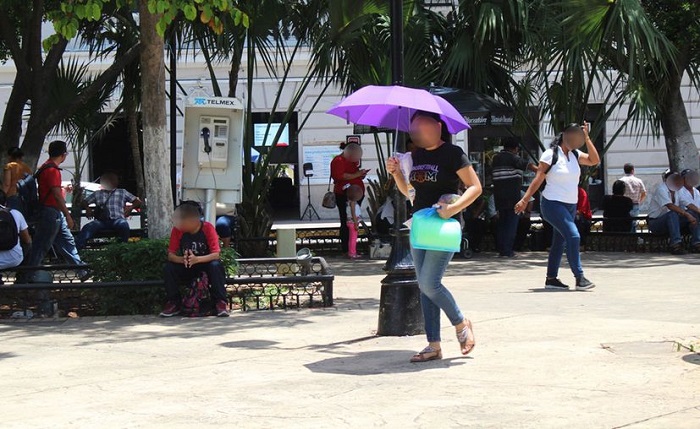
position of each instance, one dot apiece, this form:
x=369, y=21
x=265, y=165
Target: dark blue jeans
x=671, y=224
x=506, y=230
x=434, y=296
x=565, y=236
x=225, y=225
x=120, y=226
x=52, y=230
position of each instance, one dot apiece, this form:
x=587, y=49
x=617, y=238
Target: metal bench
x=265, y=283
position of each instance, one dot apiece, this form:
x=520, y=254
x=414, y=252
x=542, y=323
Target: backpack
x=28, y=193
x=9, y=236
x=555, y=156
x=197, y=292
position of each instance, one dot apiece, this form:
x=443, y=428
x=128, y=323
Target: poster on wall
x=320, y=157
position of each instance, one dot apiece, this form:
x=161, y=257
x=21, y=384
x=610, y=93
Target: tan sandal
x=427, y=354
x=466, y=338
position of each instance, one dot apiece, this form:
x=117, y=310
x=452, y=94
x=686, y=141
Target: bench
x=265, y=283
x=642, y=240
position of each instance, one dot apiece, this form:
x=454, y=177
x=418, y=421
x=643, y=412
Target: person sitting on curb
x=667, y=217
x=193, y=250
x=110, y=210
x=14, y=236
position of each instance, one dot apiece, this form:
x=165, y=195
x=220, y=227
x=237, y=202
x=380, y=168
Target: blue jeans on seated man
x=562, y=217
x=225, y=225
x=120, y=226
x=434, y=296
x=506, y=230
x=671, y=224
x=52, y=230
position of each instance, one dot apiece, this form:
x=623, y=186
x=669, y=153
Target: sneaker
x=171, y=309
x=583, y=283
x=222, y=309
x=555, y=284
x=677, y=250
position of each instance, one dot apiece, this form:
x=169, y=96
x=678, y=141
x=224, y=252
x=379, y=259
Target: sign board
x=320, y=157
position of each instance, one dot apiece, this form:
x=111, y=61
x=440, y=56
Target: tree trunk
x=157, y=169
x=133, y=127
x=11, y=129
x=680, y=144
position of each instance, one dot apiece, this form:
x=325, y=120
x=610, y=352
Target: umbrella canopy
x=393, y=106
x=479, y=109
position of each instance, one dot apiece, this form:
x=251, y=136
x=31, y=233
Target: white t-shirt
x=358, y=211
x=685, y=198
x=13, y=257
x=562, y=179
x=659, y=200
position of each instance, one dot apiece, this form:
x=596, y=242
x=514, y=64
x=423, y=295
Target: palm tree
x=86, y=125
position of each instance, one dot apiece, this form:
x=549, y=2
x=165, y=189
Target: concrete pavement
x=601, y=359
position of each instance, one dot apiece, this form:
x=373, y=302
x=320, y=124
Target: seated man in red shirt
x=194, y=249
x=55, y=221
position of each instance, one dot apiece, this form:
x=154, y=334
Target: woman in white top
x=562, y=171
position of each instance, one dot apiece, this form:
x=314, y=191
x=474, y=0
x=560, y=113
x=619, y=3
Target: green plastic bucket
x=431, y=232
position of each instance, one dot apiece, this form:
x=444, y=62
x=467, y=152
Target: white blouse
x=563, y=178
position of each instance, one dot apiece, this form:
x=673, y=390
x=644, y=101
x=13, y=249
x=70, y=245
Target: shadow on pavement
x=693, y=358
x=124, y=329
x=379, y=362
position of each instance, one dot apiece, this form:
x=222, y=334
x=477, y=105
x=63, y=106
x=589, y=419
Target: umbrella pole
x=399, y=303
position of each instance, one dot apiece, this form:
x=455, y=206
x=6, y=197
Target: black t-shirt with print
x=434, y=173
x=196, y=242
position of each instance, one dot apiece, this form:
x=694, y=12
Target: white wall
x=646, y=153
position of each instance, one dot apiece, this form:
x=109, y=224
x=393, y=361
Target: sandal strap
x=428, y=349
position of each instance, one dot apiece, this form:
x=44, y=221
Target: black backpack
x=555, y=156
x=9, y=236
x=28, y=193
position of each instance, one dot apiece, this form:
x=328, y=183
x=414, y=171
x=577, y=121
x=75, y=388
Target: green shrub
x=142, y=260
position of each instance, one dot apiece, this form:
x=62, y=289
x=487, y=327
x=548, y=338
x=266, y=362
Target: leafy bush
x=142, y=260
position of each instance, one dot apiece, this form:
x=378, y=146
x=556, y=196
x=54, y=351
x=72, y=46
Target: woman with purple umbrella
x=439, y=168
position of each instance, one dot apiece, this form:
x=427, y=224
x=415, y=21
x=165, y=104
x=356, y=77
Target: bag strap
x=36, y=177
x=330, y=177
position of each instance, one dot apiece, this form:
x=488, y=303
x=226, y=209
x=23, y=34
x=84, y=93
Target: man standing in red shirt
x=55, y=221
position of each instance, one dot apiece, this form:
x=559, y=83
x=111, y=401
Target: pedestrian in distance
x=561, y=165
x=508, y=168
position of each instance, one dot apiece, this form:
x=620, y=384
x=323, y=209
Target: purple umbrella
x=392, y=107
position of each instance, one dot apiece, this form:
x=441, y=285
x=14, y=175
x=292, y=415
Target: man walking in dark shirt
x=508, y=169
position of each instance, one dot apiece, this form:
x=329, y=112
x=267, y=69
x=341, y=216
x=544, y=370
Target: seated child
x=354, y=194
x=194, y=249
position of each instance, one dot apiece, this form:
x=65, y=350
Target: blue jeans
x=225, y=225
x=671, y=224
x=52, y=230
x=562, y=217
x=634, y=213
x=434, y=296
x=506, y=230
x=120, y=226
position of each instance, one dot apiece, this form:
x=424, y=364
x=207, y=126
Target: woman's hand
x=447, y=211
x=586, y=129
x=392, y=165
x=520, y=206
